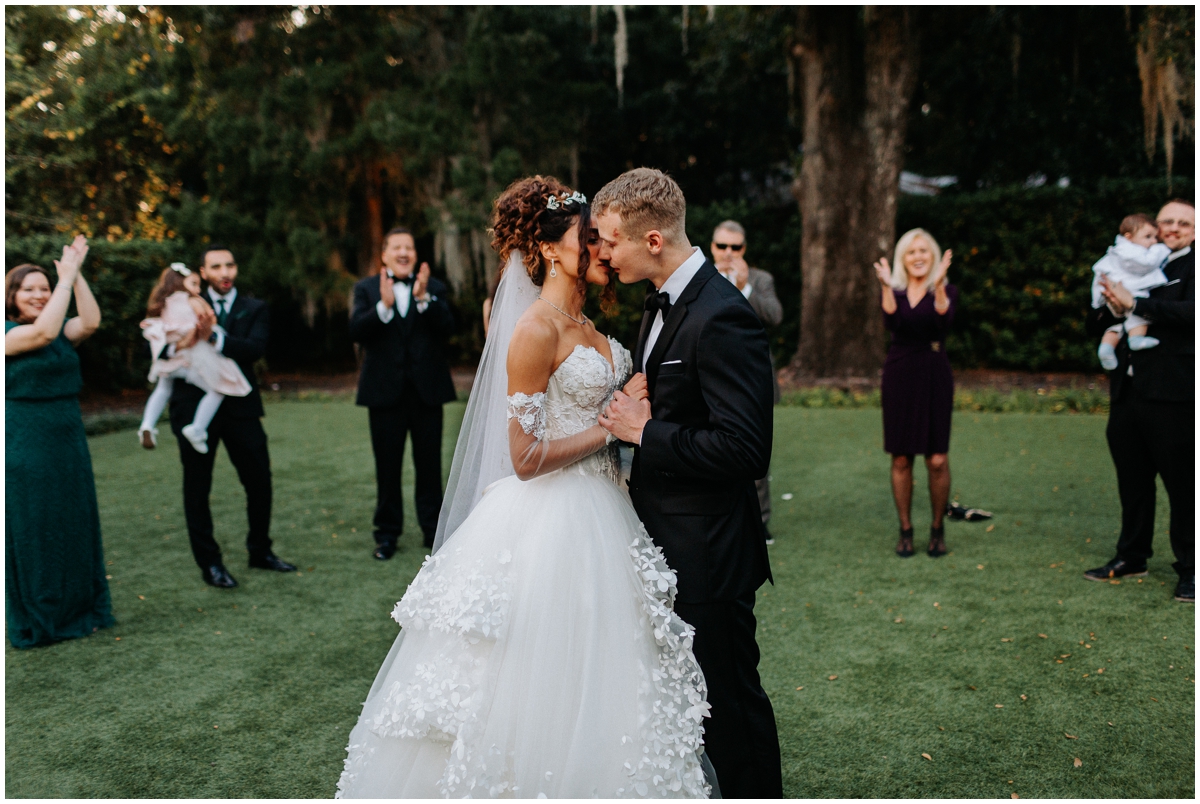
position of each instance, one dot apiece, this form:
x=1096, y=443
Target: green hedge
x=121, y=275
x=1023, y=266
x=1068, y=400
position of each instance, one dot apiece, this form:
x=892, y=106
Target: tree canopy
x=299, y=134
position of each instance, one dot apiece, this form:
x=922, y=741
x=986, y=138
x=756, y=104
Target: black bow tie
x=405, y=280
x=659, y=301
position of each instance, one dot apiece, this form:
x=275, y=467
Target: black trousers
x=389, y=428
x=1147, y=439
x=740, y=737
x=246, y=442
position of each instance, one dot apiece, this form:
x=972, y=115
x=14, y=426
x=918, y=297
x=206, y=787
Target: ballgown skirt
x=538, y=656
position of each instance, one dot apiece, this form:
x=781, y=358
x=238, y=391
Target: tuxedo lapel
x=236, y=312
x=679, y=312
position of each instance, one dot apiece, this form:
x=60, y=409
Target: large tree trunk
x=373, y=241
x=857, y=70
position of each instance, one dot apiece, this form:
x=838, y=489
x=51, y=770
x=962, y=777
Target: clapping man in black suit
x=708, y=370
x=238, y=328
x=1151, y=421
x=402, y=320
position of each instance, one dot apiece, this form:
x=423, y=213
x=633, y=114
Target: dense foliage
x=1023, y=266
x=298, y=134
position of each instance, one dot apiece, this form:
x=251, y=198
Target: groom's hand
x=625, y=417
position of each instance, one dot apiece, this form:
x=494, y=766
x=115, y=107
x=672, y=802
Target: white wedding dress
x=539, y=655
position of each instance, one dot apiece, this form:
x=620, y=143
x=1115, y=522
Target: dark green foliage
x=121, y=274
x=1008, y=92
x=1023, y=266
x=297, y=134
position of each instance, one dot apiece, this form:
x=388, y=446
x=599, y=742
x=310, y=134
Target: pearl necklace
x=579, y=321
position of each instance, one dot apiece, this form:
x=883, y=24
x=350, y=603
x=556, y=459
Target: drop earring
x=552, y=271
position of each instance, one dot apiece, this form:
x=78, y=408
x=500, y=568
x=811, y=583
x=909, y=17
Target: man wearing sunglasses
x=729, y=256
x=1151, y=421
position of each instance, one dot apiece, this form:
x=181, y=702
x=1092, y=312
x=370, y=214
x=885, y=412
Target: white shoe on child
x=148, y=437
x=1140, y=342
x=197, y=438
x=1108, y=356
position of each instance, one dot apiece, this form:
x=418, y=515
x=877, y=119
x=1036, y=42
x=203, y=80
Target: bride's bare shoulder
x=532, y=349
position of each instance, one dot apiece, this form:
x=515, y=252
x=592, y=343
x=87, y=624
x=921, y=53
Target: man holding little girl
x=205, y=346
x=1151, y=425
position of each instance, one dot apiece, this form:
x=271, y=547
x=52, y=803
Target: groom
x=704, y=353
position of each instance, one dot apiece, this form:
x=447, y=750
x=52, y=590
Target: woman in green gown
x=54, y=562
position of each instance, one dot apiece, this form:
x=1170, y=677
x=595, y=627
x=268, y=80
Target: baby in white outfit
x=1135, y=260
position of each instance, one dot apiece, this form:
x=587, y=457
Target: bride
x=539, y=655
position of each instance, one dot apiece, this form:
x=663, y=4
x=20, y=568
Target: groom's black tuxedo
x=692, y=483
x=710, y=439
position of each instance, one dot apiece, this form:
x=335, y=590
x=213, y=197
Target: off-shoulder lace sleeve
x=531, y=452
x=530, y=413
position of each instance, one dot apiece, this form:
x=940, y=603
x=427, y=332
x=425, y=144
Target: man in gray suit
x=729, y=256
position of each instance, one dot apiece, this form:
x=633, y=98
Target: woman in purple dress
x=918, y=386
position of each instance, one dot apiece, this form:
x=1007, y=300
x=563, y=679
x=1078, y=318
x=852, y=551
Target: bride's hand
x=637, y=388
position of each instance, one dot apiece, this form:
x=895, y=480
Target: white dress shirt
x=403, y=301
x=228, y=299
x=673, y=287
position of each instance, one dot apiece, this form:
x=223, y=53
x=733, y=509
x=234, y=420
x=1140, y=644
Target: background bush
x=1023, y=265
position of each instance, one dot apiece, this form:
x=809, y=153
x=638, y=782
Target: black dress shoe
x=1185, y=590
x=384, y=551
x=1117, y=568
x=904, y=547
x=218, y=576
x=271, y=562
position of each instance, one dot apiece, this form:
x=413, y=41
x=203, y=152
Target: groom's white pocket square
x=670, y=363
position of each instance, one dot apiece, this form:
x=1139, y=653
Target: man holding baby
x=1151, y=425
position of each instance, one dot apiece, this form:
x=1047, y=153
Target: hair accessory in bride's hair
x=574, y=198
x=180, y=269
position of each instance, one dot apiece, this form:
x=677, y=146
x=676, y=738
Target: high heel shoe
x=937, y=542
x=904, y=547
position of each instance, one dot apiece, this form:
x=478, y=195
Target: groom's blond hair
x=645, y=199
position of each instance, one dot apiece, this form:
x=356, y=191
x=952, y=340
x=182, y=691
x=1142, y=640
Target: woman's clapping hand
x=883, y=272
x=943, y=269
x=73, y=256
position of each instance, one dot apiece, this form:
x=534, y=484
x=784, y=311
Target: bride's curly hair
x=522, y=221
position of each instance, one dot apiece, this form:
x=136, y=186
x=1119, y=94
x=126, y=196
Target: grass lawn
x=199, y=692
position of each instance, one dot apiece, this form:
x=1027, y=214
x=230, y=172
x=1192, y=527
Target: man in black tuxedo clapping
x=1152, y=422
x=242, y=325
x=402, y=320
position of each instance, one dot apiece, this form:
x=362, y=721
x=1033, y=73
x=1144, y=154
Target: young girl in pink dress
x=171, y=317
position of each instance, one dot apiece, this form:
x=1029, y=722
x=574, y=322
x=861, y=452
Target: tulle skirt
x=207, y=369
x=539, y=656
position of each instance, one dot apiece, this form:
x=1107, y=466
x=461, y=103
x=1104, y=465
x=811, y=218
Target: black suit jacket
x=410, y=348
x=1167, y=372
x=247, y=328
x=692, y=480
